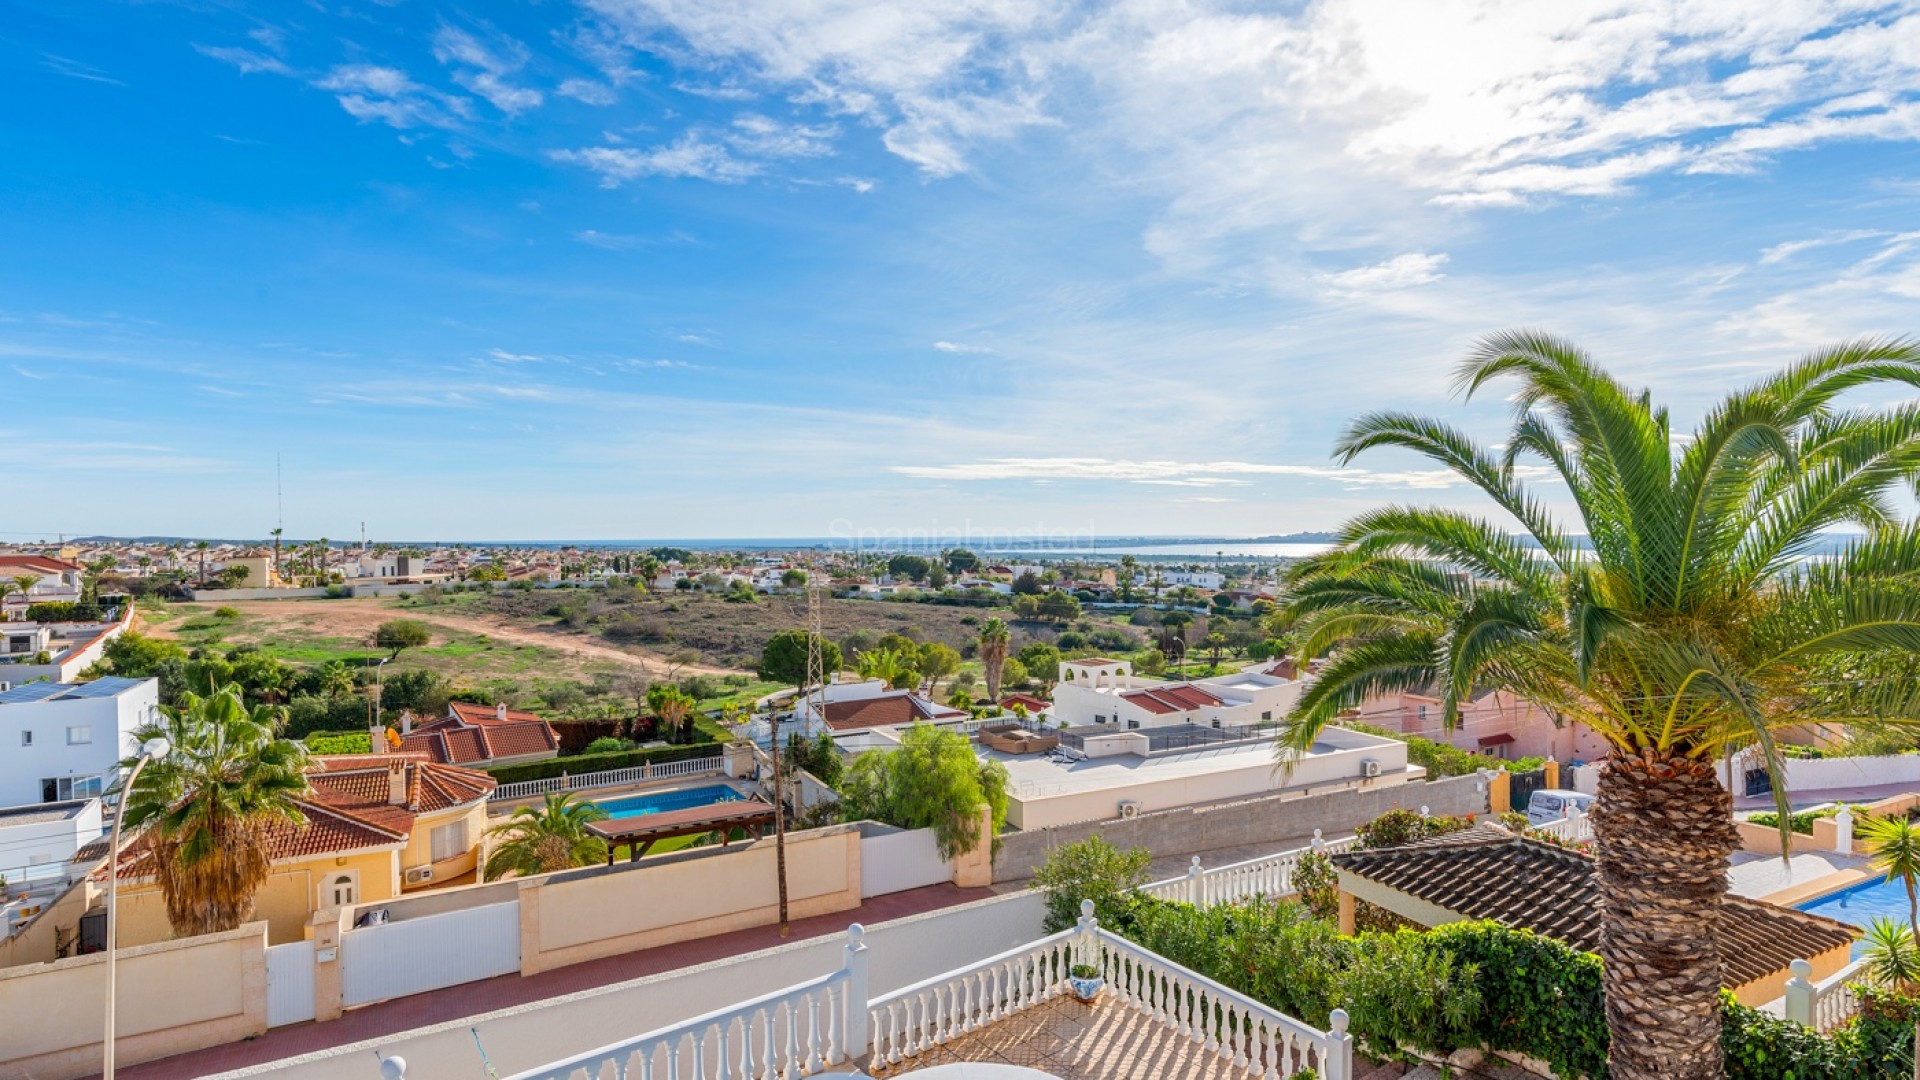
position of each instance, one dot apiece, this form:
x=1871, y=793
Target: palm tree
x=1895, y=843
x=1689, y=624
x=20, y=583
x=276, y=551
x=206, y=813
x=994, y=640
x=1890, y=956
x=543, y=839
x=674, y=708
x=201, y=546
x=887, y=665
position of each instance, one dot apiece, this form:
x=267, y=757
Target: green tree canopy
x=932, y=781
x=784, y=658
x=962, y=561
x=398, y=635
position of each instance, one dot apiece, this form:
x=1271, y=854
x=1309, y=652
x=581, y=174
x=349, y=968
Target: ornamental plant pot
x=1085, y=981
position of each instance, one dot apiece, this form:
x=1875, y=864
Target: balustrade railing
x=1574, y=828
x=637, y=774
x=945, y=1007
x=799, y=1031
x=1827, y=1004
x=1251, y=1035
x=1268, y=875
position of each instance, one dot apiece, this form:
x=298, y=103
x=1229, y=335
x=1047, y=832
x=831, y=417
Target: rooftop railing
x=638, y=774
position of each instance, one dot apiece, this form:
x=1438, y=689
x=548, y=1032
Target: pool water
x=1861, y=904
x=661, y=802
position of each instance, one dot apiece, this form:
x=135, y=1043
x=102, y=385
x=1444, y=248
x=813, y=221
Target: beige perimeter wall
x=174, y=996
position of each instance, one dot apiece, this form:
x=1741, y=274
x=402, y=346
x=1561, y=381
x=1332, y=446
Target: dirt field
x=314, y=629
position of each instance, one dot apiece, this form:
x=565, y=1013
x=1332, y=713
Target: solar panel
x=33, y=691
x=109, y=686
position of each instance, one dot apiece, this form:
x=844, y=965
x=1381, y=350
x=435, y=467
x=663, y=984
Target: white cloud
x=690, y=156
x=375, y=92
x=1785, y=250
x=1399, y=272
x=956, y=347
x=1171, y=473
x=762, y=136
x=486, y=69
x=1329, y=124
x=588, y=91
x=249, y=61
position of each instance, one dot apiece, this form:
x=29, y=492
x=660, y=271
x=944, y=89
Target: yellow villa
x=377, y=825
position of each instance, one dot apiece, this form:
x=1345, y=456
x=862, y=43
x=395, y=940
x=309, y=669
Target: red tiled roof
x=487, y=715
x=1172, y=698
x=44, y=564
x=349, y=806
x=474, y=733
x=887, y=710
x=1032, y=703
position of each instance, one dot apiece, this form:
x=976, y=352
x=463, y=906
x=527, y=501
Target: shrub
x=1091, y=870
x=346, y=742
x=932, y=781
x=607, y=744
x=1405, y=826
x=224, y=612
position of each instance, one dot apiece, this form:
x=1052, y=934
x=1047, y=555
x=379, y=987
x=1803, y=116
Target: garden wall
x=1267, y=820
x=51, y=1014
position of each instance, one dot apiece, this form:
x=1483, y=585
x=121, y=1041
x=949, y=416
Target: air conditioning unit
x=420, y=875
x=1369, y=767
x=1129, y=808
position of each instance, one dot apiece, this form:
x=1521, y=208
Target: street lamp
x=152, y=750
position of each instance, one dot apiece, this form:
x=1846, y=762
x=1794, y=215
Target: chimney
x=397, y=782
x=500, y=711
x=406, y=722
x=376, y=739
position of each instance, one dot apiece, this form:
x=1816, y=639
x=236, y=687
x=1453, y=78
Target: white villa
x=1097, y=691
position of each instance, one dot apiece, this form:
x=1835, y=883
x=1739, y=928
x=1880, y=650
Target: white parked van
x=1551, y=805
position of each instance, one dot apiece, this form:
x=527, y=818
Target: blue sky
x=698, y=268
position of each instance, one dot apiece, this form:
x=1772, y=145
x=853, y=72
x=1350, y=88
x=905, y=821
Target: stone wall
x=1267, y=820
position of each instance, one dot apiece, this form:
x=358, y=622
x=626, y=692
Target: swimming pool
x=1860, y=904
x=661, y=802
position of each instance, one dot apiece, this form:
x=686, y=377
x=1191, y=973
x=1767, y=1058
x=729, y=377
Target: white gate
x=289, y=983
x=899, y=860
x=427, y=953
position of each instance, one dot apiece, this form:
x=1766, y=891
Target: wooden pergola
x=642, y=832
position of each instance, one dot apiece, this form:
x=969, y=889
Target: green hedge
x=347, y=742
x=1486, y=986
x=1802, y=820
x=586, y=763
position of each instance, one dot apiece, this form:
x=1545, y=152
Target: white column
x=1843, y=831
x=1339, y=1063
x=858, y=1005
x=1799, y=996
x=1193, y=882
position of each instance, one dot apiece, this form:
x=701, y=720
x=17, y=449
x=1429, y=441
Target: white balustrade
x=799, y=1031
x=1574, y=827
x=1269, y=875
x=934, y=1011
x=608, y=778
x=1827, y=1004
x=1245, y=1032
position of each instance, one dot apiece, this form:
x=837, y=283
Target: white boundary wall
x=901, y=952
x=898, y=860
x=1808, y=776
x=428, y=953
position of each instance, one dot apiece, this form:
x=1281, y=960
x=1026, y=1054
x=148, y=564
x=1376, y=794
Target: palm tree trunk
x=1664, y=832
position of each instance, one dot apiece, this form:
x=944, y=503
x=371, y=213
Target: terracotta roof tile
x=884, y=711
x=1172, y=698
x=1488, y=873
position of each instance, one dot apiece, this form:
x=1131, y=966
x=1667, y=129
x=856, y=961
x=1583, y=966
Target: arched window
x=341, y=889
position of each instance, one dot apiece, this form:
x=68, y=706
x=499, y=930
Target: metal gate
x=1524, y=784
x=289, y=983
x=1759, y=782
x=415, y=955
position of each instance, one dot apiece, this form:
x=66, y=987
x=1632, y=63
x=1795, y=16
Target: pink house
x=1496, y=723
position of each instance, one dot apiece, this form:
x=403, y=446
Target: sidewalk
x=470, y=999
